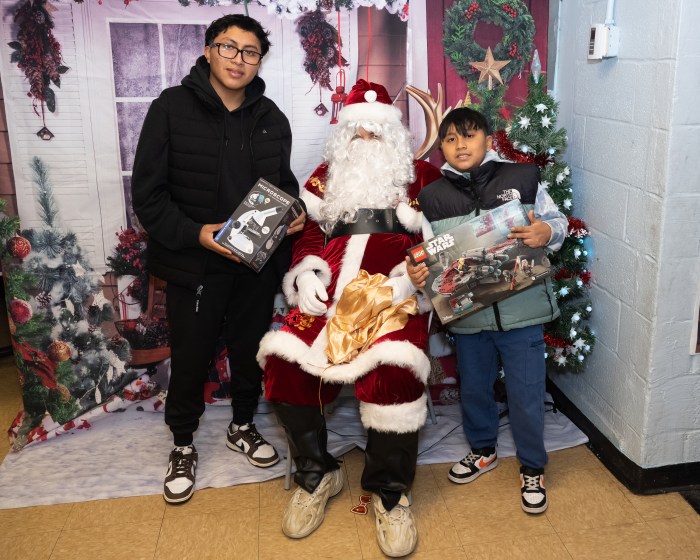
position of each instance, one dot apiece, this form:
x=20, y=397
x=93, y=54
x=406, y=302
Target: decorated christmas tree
x=67, y=364
x=533, y=137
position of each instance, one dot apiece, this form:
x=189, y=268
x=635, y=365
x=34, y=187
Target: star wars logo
x=439, y=244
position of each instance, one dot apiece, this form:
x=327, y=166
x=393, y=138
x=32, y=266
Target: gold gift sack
x=364, y=314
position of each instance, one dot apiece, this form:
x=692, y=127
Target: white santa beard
x=368, y=175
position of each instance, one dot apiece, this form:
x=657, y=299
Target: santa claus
x=356, y=319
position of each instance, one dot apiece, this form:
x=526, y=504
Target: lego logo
x=419, y=254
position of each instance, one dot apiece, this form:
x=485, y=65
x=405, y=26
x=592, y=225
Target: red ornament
x=59, y=351
x=339, y=97
x=18, y=246
x=20, y=311
x=505, y=148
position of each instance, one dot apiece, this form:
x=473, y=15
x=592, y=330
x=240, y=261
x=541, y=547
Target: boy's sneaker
x=246, y=439
x=534, y=495
x=477, y=462
x=179, y=480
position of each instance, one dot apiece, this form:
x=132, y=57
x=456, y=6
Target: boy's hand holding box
x=475, y=265
x=258, y=225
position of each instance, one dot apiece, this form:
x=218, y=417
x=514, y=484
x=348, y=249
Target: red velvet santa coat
x=389, y=376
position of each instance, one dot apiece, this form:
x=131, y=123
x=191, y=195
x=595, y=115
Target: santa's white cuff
x=410, y=218
x=402, y=288
x=310, y=263
x=396, y=418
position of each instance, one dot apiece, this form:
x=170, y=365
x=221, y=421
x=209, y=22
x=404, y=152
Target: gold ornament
x=13, y=327
x=59, y=351
x=64, y=393
x=490, y=68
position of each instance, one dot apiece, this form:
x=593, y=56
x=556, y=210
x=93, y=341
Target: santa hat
x=368, y=102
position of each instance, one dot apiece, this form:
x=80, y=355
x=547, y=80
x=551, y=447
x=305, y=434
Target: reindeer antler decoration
x=434, y=114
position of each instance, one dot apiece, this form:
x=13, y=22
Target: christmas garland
x=516, y=45
x=37, y=53
x=319, y=39
x=295, y=8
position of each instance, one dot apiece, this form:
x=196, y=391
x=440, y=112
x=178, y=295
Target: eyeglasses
x=231, y=52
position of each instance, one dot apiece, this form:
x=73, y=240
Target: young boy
x=475, y=179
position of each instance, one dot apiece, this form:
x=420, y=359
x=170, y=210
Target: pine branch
x=48, y=210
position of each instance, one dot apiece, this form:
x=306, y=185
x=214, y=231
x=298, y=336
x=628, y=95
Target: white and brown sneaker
x=246, y=439
x=179, y=480
x=476, y=463
x=532, y=491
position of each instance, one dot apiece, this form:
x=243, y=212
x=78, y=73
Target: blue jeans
x=522, y=355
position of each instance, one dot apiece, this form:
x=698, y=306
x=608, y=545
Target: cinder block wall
x=634, y=132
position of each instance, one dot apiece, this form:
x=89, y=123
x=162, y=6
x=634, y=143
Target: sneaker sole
x=233, y=447
x=535, y=510
x=178, y=500
x=323, y=516
x=474, y=476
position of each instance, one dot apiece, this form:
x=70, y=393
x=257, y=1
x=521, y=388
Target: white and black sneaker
x=534, y=495
x=246, y=439
x=179, y=480
x=476, y=463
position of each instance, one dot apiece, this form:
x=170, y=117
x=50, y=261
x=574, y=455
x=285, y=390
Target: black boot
x=306, y=432
x=390, y=465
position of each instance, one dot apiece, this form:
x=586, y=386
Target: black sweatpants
x=241, y=303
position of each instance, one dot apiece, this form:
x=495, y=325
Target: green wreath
x=516, y=45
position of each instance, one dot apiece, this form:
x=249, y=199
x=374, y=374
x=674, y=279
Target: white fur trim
x=349, y=267
x=398, y=270
x=371, y=112
x=313, y=204
x=313, y=359
x=396, y=418
x=409, y=217
x=424, y=303
x=310, y=262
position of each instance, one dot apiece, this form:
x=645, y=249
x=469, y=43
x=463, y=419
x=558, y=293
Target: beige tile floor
x=591, y=515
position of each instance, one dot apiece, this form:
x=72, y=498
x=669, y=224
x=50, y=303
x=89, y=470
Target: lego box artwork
x=475, y=265
x=259, y=224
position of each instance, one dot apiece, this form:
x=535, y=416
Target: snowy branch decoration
x=38, y=54
x=319, y=39
x=294, y=8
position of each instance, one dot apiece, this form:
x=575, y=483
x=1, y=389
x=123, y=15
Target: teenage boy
x=202, y=147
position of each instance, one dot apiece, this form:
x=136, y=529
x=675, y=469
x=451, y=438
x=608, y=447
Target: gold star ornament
x=490, y=68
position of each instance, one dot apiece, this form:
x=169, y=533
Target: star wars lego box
x=258, y=225
x=475, y=265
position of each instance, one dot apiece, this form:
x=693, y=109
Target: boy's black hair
x=464, y=120
x=242, y=22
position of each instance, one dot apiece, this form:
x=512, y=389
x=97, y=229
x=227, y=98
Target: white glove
x=312, y=294
x=402, y=288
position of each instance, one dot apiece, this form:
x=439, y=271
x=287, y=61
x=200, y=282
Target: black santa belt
x=370, y=220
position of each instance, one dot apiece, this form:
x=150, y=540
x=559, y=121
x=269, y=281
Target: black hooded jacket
x=194, y=164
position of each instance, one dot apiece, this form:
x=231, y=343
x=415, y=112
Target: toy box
x=258, y=225
x=475, y=265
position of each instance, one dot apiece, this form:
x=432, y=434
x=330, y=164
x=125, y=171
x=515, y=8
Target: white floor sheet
x=126, y=453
